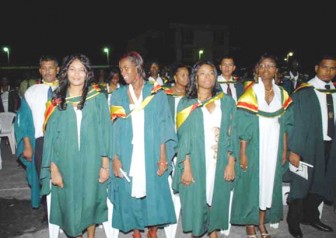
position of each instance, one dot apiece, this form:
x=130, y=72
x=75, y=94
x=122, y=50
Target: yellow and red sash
x=52, y=104
x=185, y=113
x=248, y=101
x=168, y=91
x=248, y=84
x=119, y=111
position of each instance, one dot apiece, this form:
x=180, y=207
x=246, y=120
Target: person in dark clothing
x=311, y=141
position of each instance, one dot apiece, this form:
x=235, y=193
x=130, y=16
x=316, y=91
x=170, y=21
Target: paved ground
x=19, y=220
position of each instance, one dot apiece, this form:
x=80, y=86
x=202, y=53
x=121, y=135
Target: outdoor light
x=200, y=53
x=289, y=54
x=6, y=50
x=107, y=52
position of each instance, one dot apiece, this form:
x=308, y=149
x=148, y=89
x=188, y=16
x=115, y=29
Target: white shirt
x=222, y=82
x=269, y=134
x=37, y=97
x=158, y=80
x=211, y=124
x=318, y=83
x=4, y=98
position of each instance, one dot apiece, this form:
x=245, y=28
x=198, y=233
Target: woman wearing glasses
x=263, y=119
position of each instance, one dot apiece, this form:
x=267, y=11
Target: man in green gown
x=311, y=142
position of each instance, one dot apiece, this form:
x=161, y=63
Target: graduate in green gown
x=76, y=150
x=205, y=163
x=312, y=142
x=175, y=93
x=264, y=118
x=143, y=146
x=178, y=90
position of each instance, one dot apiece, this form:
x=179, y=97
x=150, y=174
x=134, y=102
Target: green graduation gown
x=307, y=141
x=245, y=204
x=24, y=127
x=196, y=215
x=156, y=208
x=82, y=201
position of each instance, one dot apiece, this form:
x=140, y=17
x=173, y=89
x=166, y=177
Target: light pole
x=107, y=52
x=6, y=50
x=200, y=53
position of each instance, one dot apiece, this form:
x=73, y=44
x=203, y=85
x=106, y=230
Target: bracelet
x=164, y=163
x=105, y=168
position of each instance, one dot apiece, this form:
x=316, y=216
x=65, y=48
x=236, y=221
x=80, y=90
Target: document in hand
x=302, y=170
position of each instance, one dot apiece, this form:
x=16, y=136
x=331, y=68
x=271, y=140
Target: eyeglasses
x=267, y=66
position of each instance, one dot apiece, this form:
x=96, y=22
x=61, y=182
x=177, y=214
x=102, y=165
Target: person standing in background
x=175, y=93
x=154, y=74
x=10, y=100
x=227, y=81
x=29, y=126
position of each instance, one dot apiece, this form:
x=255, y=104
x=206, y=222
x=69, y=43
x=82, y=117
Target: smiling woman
x=85, y=153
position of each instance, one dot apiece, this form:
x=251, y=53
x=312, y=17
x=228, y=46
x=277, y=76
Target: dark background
x=33, y=28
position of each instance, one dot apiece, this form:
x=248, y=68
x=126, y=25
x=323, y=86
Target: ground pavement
x=19, y=220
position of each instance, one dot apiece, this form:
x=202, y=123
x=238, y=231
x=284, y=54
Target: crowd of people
x=168, y=146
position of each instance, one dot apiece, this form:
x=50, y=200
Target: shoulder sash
x=185, y=113
x=52, y=104
x=119, y=111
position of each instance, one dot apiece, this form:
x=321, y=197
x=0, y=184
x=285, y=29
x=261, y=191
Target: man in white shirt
x=36, y=98
x=311, y=141
x=228, y=83
x=293, y=79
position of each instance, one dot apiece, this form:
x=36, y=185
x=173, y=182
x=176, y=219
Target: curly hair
x=192, y=85
x=61, y=91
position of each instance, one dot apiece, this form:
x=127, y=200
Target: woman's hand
x=162, y=164
x=116, y=164
x=56, y=177
x=27, y=149
x=187, y=177
x=104, y=174
x=229, y=173
x=242, y=154
x=162, y=167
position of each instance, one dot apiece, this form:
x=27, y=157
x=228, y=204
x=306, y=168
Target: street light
x=107, y=52
x=289, y=54
x=6, y=50
x=200, y=53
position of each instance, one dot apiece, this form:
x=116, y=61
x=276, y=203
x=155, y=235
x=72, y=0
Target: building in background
x=185, y=43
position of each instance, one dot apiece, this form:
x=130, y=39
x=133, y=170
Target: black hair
x=61, y=91
x=192, y=85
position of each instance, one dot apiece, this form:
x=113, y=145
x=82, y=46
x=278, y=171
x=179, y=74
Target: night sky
x=33, y=28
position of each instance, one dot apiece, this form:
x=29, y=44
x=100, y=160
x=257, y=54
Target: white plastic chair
x=7, y=128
